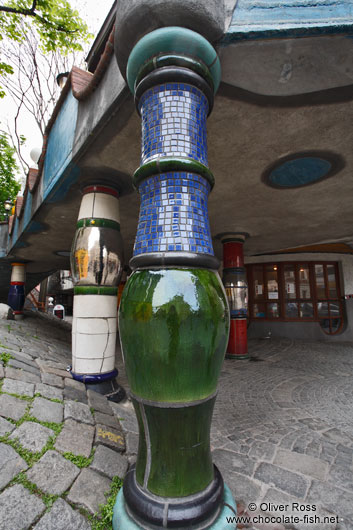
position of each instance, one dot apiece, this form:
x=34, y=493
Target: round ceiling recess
x=302, y=169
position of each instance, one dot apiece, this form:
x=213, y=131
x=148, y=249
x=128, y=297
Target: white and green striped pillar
x=96, y=264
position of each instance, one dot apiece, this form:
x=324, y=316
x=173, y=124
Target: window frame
x=313, y=299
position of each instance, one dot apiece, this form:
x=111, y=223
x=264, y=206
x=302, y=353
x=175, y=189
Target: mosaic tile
x=174, y=122
x=174, y=215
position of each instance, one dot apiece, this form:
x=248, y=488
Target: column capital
x=136, y=18
x=232, y=237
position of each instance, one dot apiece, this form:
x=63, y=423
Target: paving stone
x=88, y=490
x=52, y=380
x=23, y=366
x=109, y=462
x=53, y=473
x=99, y=402
x=6, y=426
x=112, y=438
x=242, y=487
x=32, y=436
x=72, y=383
x=24, y=358
x=126, y=416
x=282, y=479
x=73, y=394
x=51, y=370
x=132, y=442
x=10, y=464
x=262, y=451
x=75, y=438
x=302, y=464
x=106, y=419
x=12, y=407
x=295, y=507
x=19, y=508
x=62, y=517
x=79, y=412
x=230, y=461
x=52, y=364
x=45, y=410
x=341, y=476
x=12, y=386
x=49, y=392
x=21, y=375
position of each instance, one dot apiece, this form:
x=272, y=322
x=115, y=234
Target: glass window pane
x=325, y=324
x=273, y=310
x=289, y=282
x=331, y=276
x=335, y=324
x=322, y=309
x=306, y=310
x=258, y=279
x=272, y=282
x=335, y=310
x=304, y=282
x=320, y=281
x=259, y=310
x=291, y=310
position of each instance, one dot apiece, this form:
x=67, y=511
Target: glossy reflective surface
x=96, y=256
x=174, y=327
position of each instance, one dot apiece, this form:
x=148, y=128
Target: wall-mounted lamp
x=61, y=79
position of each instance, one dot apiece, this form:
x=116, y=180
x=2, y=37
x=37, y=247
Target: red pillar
x=234, y=279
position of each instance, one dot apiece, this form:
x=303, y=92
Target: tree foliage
x=9, y=187
x=58, y=25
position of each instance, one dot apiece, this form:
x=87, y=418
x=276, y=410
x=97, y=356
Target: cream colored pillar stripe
x=18, y=273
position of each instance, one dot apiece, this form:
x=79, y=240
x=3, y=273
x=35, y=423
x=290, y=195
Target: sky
x=93, y=12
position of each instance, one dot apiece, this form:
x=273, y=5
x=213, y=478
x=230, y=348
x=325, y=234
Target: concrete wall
x=309, y=330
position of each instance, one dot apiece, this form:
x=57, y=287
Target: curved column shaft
x=234, y=280
x=16, y=296
x=96, y=263
x=173, y=316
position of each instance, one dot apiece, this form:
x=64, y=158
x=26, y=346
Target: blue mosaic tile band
x=174, y=215
x=174, y=122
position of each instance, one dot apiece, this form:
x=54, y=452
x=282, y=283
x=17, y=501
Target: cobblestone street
x=282, y=432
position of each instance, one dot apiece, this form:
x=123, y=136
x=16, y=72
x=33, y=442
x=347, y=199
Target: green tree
x=9, y=187
x=58, y=25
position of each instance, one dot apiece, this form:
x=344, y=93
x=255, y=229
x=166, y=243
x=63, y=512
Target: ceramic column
x=96, y=265
x=16, y=297
x=234, y=280
x=173, y=316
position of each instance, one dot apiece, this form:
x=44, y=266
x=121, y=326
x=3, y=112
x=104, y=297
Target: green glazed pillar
x=174, y=316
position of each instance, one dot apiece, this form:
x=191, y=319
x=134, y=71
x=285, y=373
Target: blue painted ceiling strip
x=289, y=18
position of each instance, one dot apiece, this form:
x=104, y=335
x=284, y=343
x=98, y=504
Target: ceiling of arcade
x=247, y=133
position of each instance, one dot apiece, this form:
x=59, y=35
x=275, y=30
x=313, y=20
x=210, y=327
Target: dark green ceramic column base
x=122, y=519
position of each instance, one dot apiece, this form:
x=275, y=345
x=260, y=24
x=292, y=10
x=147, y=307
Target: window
x=296, y=291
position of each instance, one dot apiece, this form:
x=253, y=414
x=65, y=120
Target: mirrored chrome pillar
x=16, y=296
x=235, y=283
x=96, y=265
x=173, y=316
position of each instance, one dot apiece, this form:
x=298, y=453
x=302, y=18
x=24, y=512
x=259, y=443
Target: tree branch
x=32, y=13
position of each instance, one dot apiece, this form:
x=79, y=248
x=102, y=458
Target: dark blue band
x=95, y=378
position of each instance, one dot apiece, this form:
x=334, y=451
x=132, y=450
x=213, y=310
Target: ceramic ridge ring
x=173, y=39
x=172, y=59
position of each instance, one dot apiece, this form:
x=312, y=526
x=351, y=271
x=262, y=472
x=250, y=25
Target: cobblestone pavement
x=282, y=433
